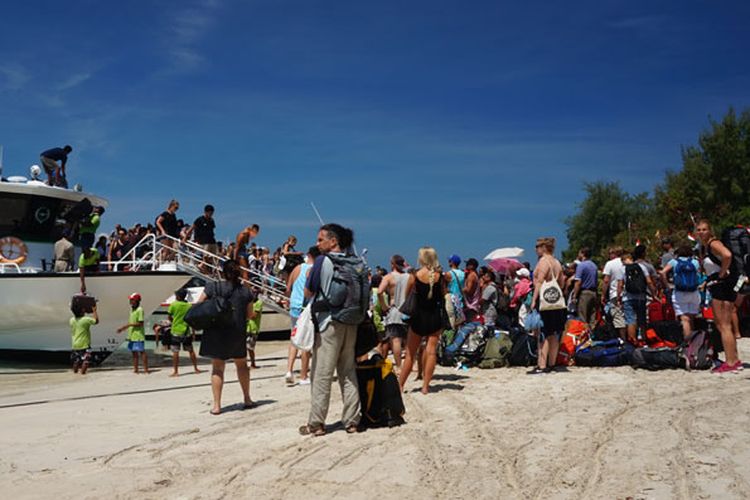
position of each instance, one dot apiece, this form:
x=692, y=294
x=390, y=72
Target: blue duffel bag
x=615, y=352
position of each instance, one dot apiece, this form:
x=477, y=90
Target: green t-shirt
x=253, y=325
x=178, y=309
x=80, y=329
x=91, y=261
x=136, y=333
x=92, y=225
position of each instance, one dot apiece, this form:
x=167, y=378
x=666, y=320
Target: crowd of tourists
x=118, y=250
x=410, y=307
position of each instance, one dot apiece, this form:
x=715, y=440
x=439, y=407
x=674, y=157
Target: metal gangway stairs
x=153, y=253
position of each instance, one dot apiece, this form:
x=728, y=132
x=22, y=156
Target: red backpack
x=576, y=333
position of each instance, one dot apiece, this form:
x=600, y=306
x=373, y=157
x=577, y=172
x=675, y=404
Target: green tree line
x=713, y=183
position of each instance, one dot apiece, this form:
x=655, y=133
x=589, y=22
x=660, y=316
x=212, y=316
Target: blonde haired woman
x=551, y=307
x=428, y=319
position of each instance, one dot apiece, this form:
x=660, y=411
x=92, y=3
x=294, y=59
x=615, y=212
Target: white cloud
x=13, y=77
x=186, y=29
x=74, y=80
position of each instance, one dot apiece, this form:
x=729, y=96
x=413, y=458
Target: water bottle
x=740, y=281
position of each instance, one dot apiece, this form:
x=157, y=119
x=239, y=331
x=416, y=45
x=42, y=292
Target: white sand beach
x=587, y=433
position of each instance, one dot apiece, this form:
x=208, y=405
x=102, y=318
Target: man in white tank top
x=395, y=328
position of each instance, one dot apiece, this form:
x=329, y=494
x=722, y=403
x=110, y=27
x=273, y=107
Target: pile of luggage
x=661, y=346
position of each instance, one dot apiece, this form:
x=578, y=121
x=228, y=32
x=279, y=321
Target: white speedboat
x=35, y=301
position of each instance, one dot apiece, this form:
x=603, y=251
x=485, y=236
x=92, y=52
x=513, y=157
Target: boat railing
x=10, y=267
x=164, y=252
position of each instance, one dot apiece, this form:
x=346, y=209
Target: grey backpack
x=698, y=351
x=348, y=298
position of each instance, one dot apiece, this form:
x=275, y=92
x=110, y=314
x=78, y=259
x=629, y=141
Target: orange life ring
x=13, y=251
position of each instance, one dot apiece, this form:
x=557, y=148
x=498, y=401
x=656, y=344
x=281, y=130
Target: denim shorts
x=136, y=346
x=635, y=312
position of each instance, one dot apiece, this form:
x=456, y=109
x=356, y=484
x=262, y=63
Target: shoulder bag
x=551, y=296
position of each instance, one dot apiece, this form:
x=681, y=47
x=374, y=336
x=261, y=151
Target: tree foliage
x=715, y=178
x=606, y=211
x=714, y=183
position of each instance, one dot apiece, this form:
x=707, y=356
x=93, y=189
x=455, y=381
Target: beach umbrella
x=505, y=266
x=505, y=253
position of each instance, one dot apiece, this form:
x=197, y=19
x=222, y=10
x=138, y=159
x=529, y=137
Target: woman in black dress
x=220, y=345
x=428, y=319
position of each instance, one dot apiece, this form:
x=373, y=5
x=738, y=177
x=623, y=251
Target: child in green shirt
x=182, y=334
x=253, y=330
x=80, y=330
x=136, y=333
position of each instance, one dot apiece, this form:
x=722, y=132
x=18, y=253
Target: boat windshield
x=33, y=218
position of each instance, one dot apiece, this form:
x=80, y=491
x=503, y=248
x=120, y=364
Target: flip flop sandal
x=306, y=430
x=352, y=429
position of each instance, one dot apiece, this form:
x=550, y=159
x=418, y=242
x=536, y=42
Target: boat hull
x=35, y=308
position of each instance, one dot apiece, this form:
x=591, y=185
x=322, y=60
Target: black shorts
x=554, y=322
x=396, y=330
x=80, y=356
x=723, y=289
x=186, y=341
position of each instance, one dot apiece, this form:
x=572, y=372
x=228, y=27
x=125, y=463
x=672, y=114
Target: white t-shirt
x=616, y=272
x=710, y=266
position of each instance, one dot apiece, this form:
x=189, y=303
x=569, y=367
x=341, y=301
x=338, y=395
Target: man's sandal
x=307, y=430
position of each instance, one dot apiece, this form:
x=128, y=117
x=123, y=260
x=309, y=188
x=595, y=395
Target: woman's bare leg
x=542, y=351
x=304, y=365
x=723, y=318
x=687, y=325
x=412, y=345
x=243, y=376
x=291, y=358
x=217, y=383
x=553, y=347
x=430, y=355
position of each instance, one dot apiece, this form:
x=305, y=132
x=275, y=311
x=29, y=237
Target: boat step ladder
x=167, y=253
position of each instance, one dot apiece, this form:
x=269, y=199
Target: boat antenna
x=315, y=209
x=1, y=161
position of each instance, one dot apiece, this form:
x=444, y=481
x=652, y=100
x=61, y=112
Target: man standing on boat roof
x=49, y=161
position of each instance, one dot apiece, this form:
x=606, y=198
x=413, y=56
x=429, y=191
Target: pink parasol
x=505, y=266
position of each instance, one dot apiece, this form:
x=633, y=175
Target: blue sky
x=462, y=125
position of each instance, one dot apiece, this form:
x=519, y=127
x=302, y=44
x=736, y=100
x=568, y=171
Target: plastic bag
x=303, y=333
x=533, y=321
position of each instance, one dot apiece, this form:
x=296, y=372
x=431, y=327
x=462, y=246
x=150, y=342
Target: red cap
x=135, y=296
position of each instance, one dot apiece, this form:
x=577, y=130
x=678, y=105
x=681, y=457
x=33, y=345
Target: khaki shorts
x=50, y=165
x=211, y=247
x=618, y=315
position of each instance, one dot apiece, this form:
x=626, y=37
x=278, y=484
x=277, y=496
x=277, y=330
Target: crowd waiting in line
x=412, y=306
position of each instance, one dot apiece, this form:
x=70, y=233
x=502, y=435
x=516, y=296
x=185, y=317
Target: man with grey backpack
x=339, y=288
